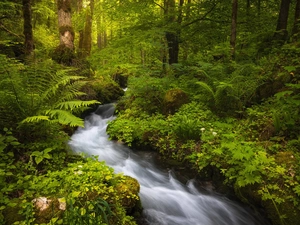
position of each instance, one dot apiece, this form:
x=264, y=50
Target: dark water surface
x=165, y=200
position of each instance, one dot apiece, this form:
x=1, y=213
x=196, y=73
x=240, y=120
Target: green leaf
x=38, y=159
x=289, y=68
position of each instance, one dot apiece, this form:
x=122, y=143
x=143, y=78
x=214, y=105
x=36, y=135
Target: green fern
x=208, y=89
x=41, y=92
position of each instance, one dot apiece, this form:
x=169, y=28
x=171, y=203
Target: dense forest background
x=210, y=85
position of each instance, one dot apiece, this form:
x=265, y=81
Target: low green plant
x=91, y=191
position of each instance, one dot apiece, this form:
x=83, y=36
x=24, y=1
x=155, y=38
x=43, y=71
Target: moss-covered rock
x=101, y=90
x=173, y=100
x=128, y=191
x=46, y=209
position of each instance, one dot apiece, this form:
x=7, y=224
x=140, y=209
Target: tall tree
x=296, y=27
x=281, y=32
x=233, y=27
x=174, y=19
x=28, y=43
x=87, y=35
x=64, y=53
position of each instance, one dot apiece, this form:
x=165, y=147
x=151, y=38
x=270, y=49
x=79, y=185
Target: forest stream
x=166, y=201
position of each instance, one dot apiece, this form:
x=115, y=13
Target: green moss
x=128, y=191
x=44, y=216
x=103, y=91
x=173, y=100
x=11, y=215
x=63, y=55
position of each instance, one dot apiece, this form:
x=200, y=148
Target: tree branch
x=202, y=18
x=10, y=32
x=159, y=5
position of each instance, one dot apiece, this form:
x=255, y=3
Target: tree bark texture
x=28, y=43
x=281, y=29
x=233, y=27
x=65, y=25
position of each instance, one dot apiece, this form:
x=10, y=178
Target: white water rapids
x=165, y=200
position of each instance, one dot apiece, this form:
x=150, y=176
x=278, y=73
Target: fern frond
x=58, y=81
x=65, y=118
x=71, y=91
x=207, y=88
x=71, y=105
x=35, y=119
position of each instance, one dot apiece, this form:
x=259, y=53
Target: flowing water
x=165, y=200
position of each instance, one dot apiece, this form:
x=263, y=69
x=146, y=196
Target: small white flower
x=202, y=129
x=78, y=172
x=214, y=133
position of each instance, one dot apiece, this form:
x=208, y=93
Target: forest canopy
x=211, y=85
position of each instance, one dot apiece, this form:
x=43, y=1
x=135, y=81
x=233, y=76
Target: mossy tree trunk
x=87, y=34
x=64, y=53
x=65, y=24
x=172, y=36
x=101, y=29
x=28, y=43
x=296, y=26
x=281, y=32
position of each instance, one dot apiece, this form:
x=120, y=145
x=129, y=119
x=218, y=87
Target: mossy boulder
x=47, y=208
x=101, y=90
x=128, y=191
x=173, y=100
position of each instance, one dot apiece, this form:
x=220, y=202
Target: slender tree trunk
x=248, y=9
x=174, y=35
x=28, y=43
x=233, y=27
x=281, y=32
x=296, y=26
x=186, y=44
x=258, y=7
x=80, y=39
x=87, y=35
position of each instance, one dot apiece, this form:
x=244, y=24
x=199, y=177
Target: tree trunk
x=80, y=39
x=248, y=9
x=28, y=43
x=87, y=34
x=281, y=33
x=233, y=27
x=64, y=53
x=174, y=35
x=186, y=44
x=258, y=7
x=65, y=24
x=296, y=26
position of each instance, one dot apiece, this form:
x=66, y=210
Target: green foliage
x=232, y=93
x=287, y=110
x=90, y=191
x=40, y=93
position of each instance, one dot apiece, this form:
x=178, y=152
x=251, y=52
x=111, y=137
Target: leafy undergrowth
x=88, y=190
x=226, y=127
x=40, y=105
